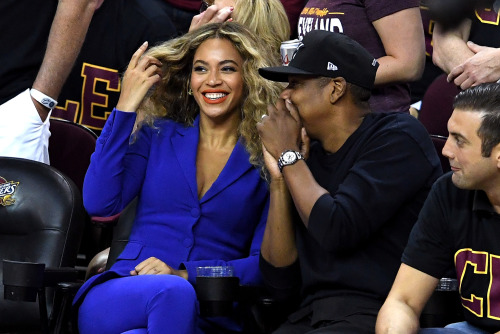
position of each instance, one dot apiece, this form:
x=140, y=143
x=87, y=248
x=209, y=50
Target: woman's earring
x=190, y=91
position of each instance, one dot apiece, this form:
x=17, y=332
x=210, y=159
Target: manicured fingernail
x=231, y=9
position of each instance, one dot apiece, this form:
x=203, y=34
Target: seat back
x=121, y=232
x=437, y=106
x=70, y=148
x=439, y=142
x=41, y=221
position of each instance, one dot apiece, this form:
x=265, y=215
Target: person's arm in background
x=404, y=48
x=450, y=45
x=408, y=296
x=466, y=63
x=293, y=9
x=482, y=67
x=66, y=37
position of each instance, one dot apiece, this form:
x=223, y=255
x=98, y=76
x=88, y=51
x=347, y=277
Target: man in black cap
x=342, y=207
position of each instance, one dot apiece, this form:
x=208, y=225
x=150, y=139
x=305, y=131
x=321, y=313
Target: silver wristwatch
x=289, y=157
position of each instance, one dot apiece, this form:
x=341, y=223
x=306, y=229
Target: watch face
x=289, y=157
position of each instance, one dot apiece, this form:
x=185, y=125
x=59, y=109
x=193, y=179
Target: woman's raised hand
x=213, y=14
x=141, y=74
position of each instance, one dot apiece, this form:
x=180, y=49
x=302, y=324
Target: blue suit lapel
x=185, y=146
x=236, y=166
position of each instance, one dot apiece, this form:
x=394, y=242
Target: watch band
x=44, y=100
x=282, y=162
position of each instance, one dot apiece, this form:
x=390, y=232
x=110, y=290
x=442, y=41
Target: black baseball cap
x=328, y=54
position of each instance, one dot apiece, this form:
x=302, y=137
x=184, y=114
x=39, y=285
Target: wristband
x=44, y=100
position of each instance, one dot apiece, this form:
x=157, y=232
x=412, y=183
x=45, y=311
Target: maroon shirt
x=193, y=5
x=354, y=18
x=293, y=9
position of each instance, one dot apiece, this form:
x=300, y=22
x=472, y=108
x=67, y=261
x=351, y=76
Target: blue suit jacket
x=224, y=227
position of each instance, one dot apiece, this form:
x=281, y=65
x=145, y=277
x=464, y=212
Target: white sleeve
x=22, y=132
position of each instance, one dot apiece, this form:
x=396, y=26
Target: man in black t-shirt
x=459, y=223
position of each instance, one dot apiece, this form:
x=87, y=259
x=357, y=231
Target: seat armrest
x=105, y=221
x=61, y=320
x=253, y=293
x=54, y=276
x=22, y=280
x=262, y=312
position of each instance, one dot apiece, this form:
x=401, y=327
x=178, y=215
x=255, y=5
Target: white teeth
x=214, y=96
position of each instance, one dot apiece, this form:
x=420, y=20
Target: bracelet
x=44, y=100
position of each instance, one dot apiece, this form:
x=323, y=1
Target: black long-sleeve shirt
x=377, y=182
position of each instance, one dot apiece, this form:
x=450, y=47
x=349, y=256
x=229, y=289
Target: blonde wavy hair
x=265, y=18
x=170, y=98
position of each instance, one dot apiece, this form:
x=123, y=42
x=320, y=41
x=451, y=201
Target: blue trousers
x=140, y=304
x=456, y=328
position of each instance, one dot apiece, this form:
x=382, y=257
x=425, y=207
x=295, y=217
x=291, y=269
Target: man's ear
x=338, y=89
x=495, y=154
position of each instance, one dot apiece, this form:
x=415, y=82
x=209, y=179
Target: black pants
x=343, y=315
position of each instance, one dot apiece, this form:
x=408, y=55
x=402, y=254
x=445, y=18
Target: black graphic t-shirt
x=485, y=27
x=117, y=30
x=24, y=30
x=460, y=226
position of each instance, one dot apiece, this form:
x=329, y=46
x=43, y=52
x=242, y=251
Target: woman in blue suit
x=195, y=163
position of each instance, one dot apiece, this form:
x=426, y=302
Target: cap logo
x=331, y=67
x=7, y=190
x=297, y=49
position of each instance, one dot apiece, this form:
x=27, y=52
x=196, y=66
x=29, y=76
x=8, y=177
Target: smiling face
x=463, y=148
x=216, y=78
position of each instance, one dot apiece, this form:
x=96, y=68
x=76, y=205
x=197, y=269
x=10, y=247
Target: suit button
x=195, y=212
x=187, y=242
